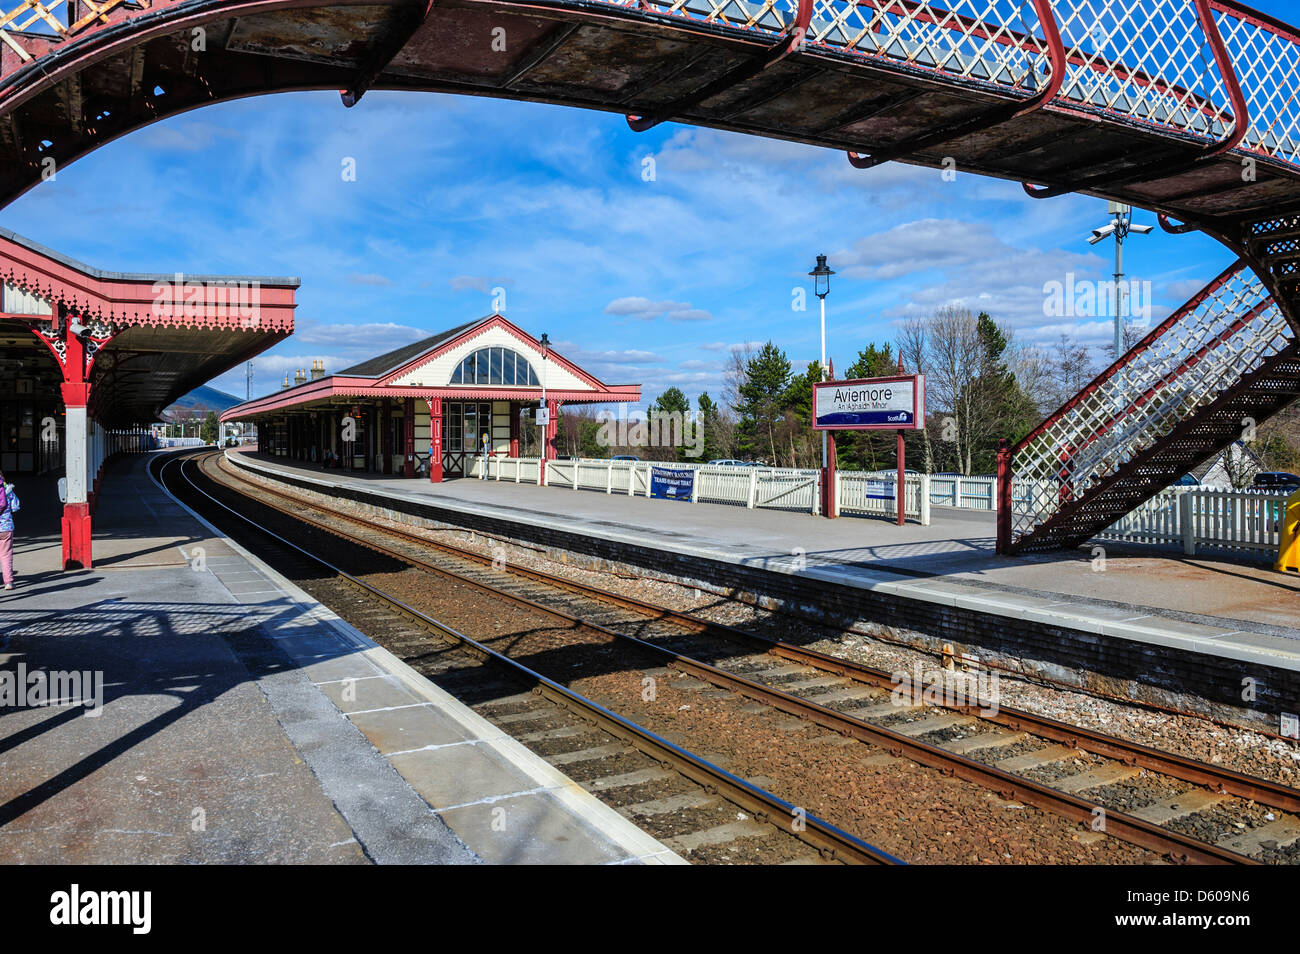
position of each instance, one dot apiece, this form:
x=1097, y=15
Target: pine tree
x=766, y=378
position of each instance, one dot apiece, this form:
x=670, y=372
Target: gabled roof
x=381, y=365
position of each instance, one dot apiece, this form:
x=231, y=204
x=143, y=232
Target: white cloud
x=643, y=309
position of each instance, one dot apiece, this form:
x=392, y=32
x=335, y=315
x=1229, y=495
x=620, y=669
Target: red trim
x=918, y=403
x=1001, y=114
x=1240, y=122
x=1004, y=496
x=1240, y=111
x=134, y=301
x=496, y=321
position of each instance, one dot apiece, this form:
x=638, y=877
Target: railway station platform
x=1151, y=601
x=202, y=718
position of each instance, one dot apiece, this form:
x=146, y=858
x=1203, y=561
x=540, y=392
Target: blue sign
x=895, y=403
x=880, y=490
x=671, y=483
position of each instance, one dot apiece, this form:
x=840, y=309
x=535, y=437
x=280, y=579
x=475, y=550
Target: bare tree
x=1072, y=368
x=914, y=351
x=955, y=364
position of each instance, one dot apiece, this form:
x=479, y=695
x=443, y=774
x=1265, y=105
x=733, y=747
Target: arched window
x=496, y=366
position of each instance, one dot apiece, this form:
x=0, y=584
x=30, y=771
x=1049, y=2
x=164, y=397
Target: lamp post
x=1120, y=226
x=545, y=342
x=821, y=276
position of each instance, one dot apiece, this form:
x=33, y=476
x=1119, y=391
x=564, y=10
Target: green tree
x=766, y=377
x=998, y=406
x=211, y=427
x=710, y=418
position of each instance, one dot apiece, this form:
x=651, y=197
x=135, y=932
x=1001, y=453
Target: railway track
x=726, y=817
x=1018, y=754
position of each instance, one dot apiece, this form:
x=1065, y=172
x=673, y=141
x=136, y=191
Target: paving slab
x=241, y=721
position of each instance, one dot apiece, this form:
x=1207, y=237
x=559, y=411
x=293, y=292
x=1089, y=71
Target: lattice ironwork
x=1194, y=358
x=1266, y=60
x=1148, y=61
x=61, y=18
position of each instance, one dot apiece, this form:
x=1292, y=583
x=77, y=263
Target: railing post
x=925, y=500
x=1004, y=496
x=753, y=488
x=1185, y=522
x=609, y=478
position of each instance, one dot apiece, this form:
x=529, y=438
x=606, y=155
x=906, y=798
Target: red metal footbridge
x=1190, y=108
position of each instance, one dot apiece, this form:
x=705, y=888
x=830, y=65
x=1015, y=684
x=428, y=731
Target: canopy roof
x=425, y=368
x=149, y=338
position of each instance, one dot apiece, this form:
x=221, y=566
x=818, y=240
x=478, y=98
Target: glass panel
x=468, y=365
x=532, y=377
x=451, y=427
x=458, y=375
x=482, y=376
x=470, y=429
x=508, y=368
x=496, y=366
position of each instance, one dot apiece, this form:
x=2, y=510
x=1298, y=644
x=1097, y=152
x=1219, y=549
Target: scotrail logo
x=21, y=689
x=93, y=908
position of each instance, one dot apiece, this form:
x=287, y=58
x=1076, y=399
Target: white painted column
x=77, y=446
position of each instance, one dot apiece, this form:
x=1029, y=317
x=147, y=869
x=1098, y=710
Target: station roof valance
x=148, y=338
x=486, y=359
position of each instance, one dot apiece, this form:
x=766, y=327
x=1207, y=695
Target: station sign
x=869, y=404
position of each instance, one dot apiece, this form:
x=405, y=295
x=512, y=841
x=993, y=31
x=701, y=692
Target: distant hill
x=202, y=398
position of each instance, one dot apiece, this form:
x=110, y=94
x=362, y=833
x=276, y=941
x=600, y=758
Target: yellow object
x=1288, y=538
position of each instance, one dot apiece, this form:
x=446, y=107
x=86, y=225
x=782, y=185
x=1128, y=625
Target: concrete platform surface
x=1232, y=609
x=221, y=734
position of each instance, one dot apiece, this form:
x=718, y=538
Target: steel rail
x=1220, y=779
x=829, y=840
x=1177, y=846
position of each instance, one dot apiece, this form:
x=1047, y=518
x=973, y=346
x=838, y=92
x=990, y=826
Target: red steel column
x=830, y=506
x=75, y=524
x=552, y=427
x=386, y=435
x=408, y=437
x=1004, y=496
x=900, y=489
x=435, y=439
x=514, y=430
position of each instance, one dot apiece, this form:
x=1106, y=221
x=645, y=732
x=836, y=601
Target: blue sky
x=649, y=282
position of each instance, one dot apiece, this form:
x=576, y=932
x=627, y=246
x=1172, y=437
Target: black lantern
x=821, y=277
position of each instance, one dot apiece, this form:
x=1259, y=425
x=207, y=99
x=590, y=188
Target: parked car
x=1187, y=480
x=730, y=462
x=1276, y=482
x=631, y=457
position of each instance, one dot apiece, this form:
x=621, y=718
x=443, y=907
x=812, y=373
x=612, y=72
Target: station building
x=425, y=409
x=89, y=359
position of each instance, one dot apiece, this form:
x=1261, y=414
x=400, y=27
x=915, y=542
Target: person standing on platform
x=8, y=507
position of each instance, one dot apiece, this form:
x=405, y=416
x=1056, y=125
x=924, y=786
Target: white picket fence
x=771, y=488
x=1245, y=521
x=966, y=493
x=1239, y=520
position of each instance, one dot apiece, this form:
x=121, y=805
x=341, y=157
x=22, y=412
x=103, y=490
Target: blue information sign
x=671, y=483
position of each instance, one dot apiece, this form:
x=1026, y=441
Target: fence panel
x=1245, y=521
